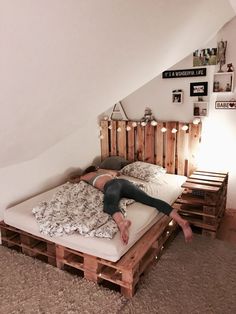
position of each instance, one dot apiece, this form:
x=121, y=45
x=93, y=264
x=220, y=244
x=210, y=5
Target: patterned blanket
x=76, y=208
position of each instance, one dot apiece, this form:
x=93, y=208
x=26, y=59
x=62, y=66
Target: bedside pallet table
x=203, y=201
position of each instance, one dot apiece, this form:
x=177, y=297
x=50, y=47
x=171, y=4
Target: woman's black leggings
x=115, y=189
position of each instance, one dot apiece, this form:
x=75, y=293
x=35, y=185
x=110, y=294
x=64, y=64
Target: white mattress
x=142, y=217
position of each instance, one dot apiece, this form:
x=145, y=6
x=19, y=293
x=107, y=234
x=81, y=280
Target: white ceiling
x=63, y=62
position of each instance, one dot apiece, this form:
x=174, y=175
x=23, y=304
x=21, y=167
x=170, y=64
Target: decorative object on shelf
x=200, y=108
x=177, y=96
x=207, y=56
x=184, y=73
x=230, y=67
x=198, y=89
x=221, y=50
x=118, y=113
x=223, y=82
x=148, y=117
x=225, y=104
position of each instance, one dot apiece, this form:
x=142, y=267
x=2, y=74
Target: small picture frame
x=198, y=89
x=200, y=109
x=177, y=96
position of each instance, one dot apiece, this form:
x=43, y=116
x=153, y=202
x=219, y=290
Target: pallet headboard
x=174, y=150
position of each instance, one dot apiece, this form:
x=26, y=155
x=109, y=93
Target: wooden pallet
x=176, y=151
x=28, y=244
x=203, y=201
x=125, y=273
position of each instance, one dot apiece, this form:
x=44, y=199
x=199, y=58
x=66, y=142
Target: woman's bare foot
x=124, y=230
x=188, y=234
x=184, y=224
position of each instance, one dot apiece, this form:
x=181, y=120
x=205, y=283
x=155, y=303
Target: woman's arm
x=114, y=173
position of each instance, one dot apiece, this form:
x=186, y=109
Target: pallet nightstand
x=203, y=201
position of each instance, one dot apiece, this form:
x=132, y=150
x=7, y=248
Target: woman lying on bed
x=115, y=188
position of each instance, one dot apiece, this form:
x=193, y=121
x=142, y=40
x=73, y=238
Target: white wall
x=64, y=62
x=219, y=128
x=24, y=180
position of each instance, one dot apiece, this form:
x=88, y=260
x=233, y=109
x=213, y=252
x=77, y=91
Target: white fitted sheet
x=142, y=218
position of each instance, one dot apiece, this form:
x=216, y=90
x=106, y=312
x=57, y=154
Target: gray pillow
x=114, y=163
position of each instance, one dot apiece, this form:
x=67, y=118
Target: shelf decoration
x=118, y=113
x=221, y=51
x=148, y=117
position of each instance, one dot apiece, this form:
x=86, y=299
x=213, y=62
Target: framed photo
x=207, y=56
x=200, y=108
x=177, y=96
x=198, y=89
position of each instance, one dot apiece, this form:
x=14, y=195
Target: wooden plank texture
x=175, y=151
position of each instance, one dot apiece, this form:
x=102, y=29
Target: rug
x=189, y=278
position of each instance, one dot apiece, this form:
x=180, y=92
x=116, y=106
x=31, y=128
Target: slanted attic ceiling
x=63, y=62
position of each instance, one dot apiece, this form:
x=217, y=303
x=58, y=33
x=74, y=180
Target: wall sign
x=184, y=73
x=225, y=104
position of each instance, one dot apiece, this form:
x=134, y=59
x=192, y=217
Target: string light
x=134, y=124
x=196, y=121
x=153, y=122
x=184, y=127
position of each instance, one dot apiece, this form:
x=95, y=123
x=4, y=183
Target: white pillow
x=143, y=170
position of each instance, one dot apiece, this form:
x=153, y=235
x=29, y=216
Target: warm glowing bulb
x=163, y=129
x=143, y=123
x=128, y=128
x=153, y=123
x=110, y=127
x=185, y=127
x=134, y=124
x=196, y=121
x=118, y=130
x=174, y=130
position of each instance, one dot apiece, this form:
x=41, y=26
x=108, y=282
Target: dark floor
x=227, y=229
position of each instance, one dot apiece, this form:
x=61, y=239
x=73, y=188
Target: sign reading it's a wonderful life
x=184, y=73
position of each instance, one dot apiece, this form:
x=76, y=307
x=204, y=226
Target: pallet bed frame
x=174, y=151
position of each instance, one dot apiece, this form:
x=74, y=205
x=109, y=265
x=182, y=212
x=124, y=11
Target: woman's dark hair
x=89, y=169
